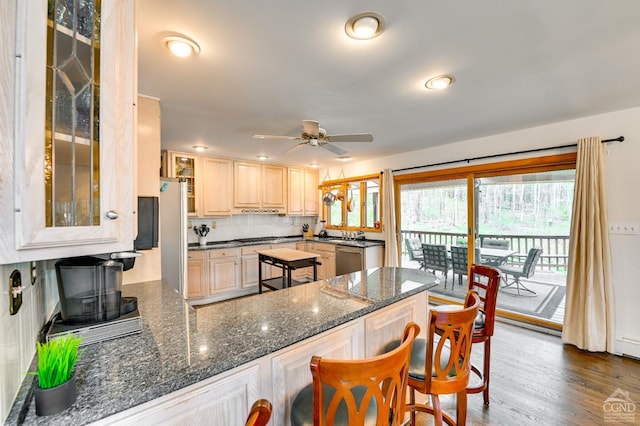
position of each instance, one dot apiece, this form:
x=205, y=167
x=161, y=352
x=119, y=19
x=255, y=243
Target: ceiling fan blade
x=311, y=127
x=335, y=149
x=293, y=138
x=357, y=137
x=295, y=147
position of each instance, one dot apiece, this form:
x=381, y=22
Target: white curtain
x=589, y=315
x=389, y=219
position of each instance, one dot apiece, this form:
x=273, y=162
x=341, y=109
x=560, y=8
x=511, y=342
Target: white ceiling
x=267, y=65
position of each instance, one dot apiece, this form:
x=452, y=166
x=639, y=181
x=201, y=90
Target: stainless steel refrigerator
x=173, y=233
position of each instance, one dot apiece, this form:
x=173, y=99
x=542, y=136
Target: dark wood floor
x=538, y=380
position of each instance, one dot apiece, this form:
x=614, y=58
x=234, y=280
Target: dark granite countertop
x=211, y=245
x=180, y=345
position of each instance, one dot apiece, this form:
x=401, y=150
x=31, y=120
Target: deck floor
x=548, y=304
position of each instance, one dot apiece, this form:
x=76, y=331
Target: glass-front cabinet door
x=74, y=131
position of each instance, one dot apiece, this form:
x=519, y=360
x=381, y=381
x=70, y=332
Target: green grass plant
x=56, y=360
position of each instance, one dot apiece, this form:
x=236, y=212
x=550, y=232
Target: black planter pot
x=53, y=400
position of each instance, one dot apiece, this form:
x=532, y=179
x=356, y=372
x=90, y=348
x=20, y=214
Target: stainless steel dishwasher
x=348, y=259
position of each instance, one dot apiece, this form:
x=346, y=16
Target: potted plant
x=55, y=390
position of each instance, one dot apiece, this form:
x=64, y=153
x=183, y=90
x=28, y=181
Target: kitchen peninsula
x=210, y=363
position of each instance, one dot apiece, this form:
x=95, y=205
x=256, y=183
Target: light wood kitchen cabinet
x=247, y=184
x=197, y=274
x=224, y=270
x=217, y=184
x=214, y=275
x=45, y=214
x=250, y=266
x=327, y=254
x=259, y=188
x=311, y=193
x=274, y=186
x=303, y=192
x=187, y=167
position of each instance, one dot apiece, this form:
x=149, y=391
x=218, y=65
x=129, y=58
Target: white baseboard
x=628, y=347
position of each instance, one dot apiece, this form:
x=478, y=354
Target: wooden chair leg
x=412, y=403
x=437, y=410
x=487, y=368
x=461, y=407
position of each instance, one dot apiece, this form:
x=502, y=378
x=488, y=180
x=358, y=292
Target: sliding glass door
x=517, y=219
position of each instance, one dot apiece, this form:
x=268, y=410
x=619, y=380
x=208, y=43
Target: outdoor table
x=495, y=256
x=288, y=260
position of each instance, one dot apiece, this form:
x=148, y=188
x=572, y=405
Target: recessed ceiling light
x=181, y=46
x=200, y=148
x=440, y=82
x=262, y=157
x=344, y=158
x=365, y=26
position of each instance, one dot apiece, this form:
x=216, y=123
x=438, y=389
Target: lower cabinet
x=250, y=266
x=327, y=254
x=224, y=270
x=226, y=398
x=197, y=274
x=213, y=275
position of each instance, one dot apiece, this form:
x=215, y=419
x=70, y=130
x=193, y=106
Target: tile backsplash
x=252, y=226
x=20, y=331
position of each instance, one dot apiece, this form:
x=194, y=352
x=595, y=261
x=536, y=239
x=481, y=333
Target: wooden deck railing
x=555, y=248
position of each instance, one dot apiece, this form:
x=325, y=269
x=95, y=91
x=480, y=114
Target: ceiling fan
x=314, y=135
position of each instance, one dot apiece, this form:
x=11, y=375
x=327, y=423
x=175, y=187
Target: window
x=352, y=204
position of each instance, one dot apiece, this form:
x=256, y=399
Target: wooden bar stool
x=443, y=366
x=486, y=281
x=357, y=392
x=260, y=413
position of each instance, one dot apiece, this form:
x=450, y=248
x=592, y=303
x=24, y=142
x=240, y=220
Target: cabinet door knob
x=111, y=214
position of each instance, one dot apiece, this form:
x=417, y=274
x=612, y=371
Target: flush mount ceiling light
x=365, y=26
x=200, y=148
x=262, y=157
x=181, y=46
x=440, y=82
x=344, y=158
x=314, y=165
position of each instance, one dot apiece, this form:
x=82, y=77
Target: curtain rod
x=484, y=157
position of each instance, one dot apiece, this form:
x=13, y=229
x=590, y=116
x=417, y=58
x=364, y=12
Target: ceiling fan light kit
x=365, y=26
x=314, y=135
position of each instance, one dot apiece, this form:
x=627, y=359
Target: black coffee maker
x=90, y=288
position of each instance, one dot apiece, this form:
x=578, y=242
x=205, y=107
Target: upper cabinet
x=67, y=128
x=303, y=192
x=209, y=181
x=217, y=174
x=186, y=167
x=259, y=188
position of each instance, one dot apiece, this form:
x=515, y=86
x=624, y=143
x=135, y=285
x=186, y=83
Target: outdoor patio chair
x=460, y=261
x=517, y=272
x=436, y=259
x=495, y=243
x=414, y=248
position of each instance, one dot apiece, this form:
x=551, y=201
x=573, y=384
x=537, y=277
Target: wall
x=623, y=181
x=20, y=331
x=148, y=266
